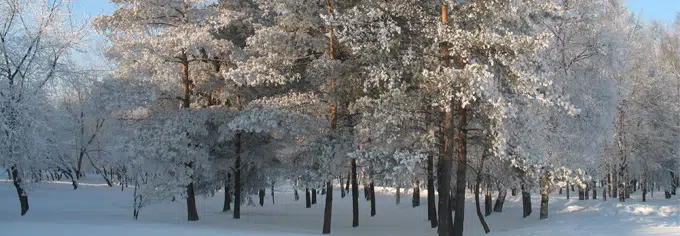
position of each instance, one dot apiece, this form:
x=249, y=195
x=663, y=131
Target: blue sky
x=655, y=10
x=662, y=10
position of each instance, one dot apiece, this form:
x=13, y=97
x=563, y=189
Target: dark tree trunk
x=572, y=188
x=498, y=207
x=587, y=191
x=446, y=226
x=237, y=178
x=416, y=195
x=272, y=193
x=431, y=207
x=526, y=202
x=545, y=191
x=594, y=187
x=308, y=199
x=192, y=213
x=398, y=194
x=349, y=178
x=372, y=192
x=479, y=209
x=21, y=192
x=461, y=172
x=367, y=192
x=313, y=196
x=644, y=190
x=581, y=195
x=296, y=195
x=227, y=194
x=342, y=188
x=615, y=185
x=323, y=190
x=487, y=202
x=328, y=209
x=261, y=194
x=355, y=194
x=560, y=191
x=513, y=191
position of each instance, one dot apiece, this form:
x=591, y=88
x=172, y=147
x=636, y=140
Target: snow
x=97, y=209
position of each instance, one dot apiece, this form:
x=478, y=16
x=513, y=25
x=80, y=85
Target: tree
x=35, y=39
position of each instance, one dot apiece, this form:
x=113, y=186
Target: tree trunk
x=644, y=189
x=313, y=196
x=349, y=178
x=355, y=194
x=323, y=190
x=461, y=171
x=586, y=192
x=367, y=192
x=431, y=208
x=261, y=194
x=21, y=192
x=237, y=178
x=372, y=192
x=594, y=187
x=272, y=193
x=545, y=190
x=615, y=185
x=568, y=189
x=479, y=209
x=416, y=195
x=296, y=195
x=342, y=188
x=498, y=207
x=227, y=194
x=308, y=199
x=192, y=213
x=328, y=209
x=581, y=193
x=398, y=194
x=446, y=226
x=526, y=202
x=487, y=202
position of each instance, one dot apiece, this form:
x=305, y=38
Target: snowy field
x=95, y=209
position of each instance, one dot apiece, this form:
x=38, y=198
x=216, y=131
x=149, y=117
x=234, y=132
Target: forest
x=190, y=99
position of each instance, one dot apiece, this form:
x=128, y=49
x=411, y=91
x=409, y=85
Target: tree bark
x=415, y=202
x=192, y=213
x=479, y=209
x=594, y=187
x=261, y=194
x=372, y=192
x=308, y=199
x=355, y=194
x=526, y=202
x=446, y=226
x=237, y=178
x=487, y=202
x=227, y=194
x=21, y=192
x=272, y=193
x=342, y=187
x=431, y=208
x=461, y=171
x=398, y=194
x=328, y=209
x=313, y=196
x=545, y=190
x=498, y=207
x=581, y=195
x=349, y=178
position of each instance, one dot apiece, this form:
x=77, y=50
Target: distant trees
x=241, y=95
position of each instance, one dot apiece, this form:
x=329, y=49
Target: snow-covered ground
x=95, y=209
